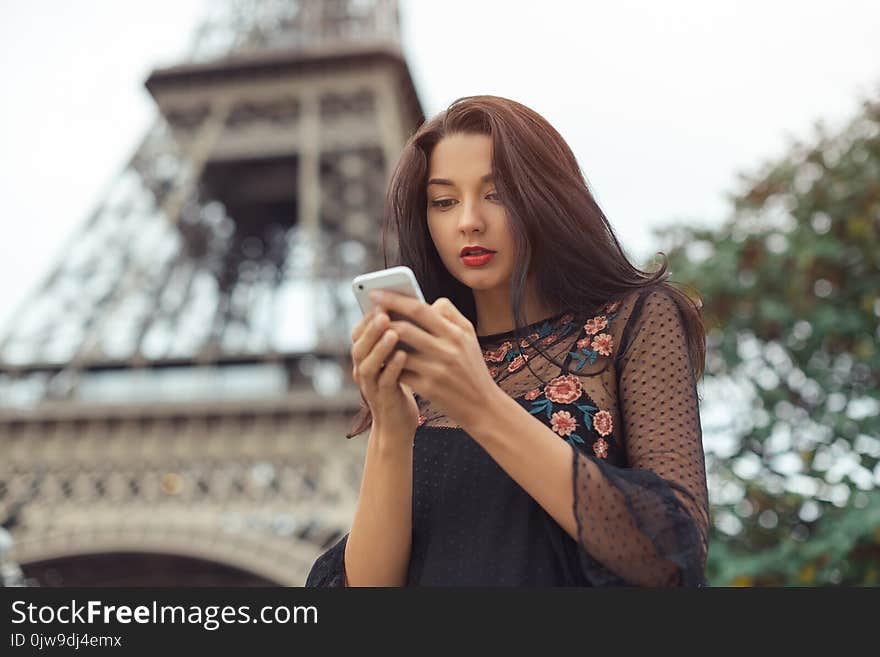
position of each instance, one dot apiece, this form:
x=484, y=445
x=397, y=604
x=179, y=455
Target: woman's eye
x=447, y=202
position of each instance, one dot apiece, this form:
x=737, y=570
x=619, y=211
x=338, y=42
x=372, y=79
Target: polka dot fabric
x=648, y=523
x=616, y=384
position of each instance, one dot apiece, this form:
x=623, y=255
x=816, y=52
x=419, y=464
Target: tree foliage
x=790, y=285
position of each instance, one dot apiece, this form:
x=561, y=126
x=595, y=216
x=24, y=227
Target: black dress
x=622, y=393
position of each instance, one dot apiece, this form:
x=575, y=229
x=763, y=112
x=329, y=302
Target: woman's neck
x=495, y=315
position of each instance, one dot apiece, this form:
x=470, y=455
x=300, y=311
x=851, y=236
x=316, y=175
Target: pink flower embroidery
x=567, y=318
x=533, y=394
x=563, y=389
x=563, y=423
x=422, y=419
x=596, y=324
x=611, y=307
x=584, y=343
x=550, y=339
x=602, y=422
x=517, y=362
x=493, y=372
x=529, y=341
x=600, y=448
x=603, y=343
x=498, y=354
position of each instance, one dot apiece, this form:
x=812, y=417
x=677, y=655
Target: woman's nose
x=470, y=217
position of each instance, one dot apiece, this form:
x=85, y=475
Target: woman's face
x=464, y=210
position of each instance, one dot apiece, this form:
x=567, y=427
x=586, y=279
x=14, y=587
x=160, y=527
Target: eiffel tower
x=174, y=397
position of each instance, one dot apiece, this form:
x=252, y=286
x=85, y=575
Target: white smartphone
x=395, y=279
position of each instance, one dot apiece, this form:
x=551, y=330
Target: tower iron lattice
x=174, y=396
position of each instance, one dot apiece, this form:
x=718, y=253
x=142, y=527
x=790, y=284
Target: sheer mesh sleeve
x=647, y=524
x=329, y=568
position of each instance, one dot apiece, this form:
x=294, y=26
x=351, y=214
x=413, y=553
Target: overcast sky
x=662, y=102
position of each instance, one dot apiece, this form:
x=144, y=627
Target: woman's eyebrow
x=443, y=181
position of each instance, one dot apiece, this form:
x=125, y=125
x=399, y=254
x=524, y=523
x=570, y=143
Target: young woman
x=546, y=429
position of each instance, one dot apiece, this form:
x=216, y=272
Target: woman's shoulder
x=619, y=305
x=647, y=308
x=614, y=320
x=631, y=304
x=614, y=313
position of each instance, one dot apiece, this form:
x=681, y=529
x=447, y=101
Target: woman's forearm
x=378, y=549
x=542, y=464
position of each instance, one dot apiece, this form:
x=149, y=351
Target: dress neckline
x=530, y=328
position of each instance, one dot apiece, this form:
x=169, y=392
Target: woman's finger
x=421, y=314
x=393, y=368
x=365, y=342
x=447, y=309
x=361, y=325
x=371, y=366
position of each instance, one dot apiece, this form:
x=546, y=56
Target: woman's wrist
x=390, y=445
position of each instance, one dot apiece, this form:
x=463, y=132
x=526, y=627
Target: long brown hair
x=559, y=231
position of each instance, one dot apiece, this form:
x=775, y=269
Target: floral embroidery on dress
x=517, y=362
x=603, y=344
x=498, y=354
x=609, y=308
x=515, y=357
x=596, y=343
x=563, y=389
x=603, y=423
x=567, y=389
x=596, y=324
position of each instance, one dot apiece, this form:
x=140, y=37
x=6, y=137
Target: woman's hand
x=376, y=371
x=447, y=366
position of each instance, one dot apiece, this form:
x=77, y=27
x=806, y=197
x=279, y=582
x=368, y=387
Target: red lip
x=477, y=260
x=473, y=247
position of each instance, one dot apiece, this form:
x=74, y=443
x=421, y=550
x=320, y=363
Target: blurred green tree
x=790, y=285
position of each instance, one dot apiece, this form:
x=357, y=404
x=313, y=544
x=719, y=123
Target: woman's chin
x=478, y=280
